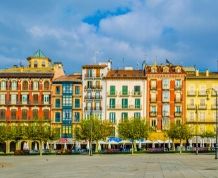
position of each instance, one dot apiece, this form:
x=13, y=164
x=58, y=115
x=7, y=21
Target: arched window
x=43, y=63
x=3, y=85
x=24, y=114
x=14, y=85
x=35, y=85
x=46, y=114
x=2, y=114
x=46, y=85
x=35, y=114
x=25, y=85
x=13, y=114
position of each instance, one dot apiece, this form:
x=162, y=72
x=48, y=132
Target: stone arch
x=12, y=146
x=3, y=147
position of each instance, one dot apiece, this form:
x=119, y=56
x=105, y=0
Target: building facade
x=94, y=89
x=165, y=96
x=67, y=104
x=126, y=95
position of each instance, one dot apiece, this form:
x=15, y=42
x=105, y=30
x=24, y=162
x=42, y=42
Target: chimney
x=197, y=72
x=207, y=73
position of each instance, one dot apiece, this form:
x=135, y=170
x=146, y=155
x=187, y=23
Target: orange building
x=165, y=95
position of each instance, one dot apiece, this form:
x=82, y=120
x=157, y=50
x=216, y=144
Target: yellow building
x=201, y=101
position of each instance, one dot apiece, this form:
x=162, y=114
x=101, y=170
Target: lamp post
x=196, y=112
x=216, y=144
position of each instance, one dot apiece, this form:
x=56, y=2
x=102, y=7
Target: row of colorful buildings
x=162, y=94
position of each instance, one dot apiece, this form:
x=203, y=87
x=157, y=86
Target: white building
x=94, y=90
x=126, y=95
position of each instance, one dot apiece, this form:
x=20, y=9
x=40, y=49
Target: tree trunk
x=90, y=148
x=173, y=145
x=180, y=147
x=96, y=147
x=132, y=148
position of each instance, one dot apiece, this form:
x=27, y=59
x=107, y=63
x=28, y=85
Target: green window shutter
x=124, y=116
x=137, y=90
x=112, y=117
x=112, y=103
x=112, y=90
x=77, y=103
x=124, y=103
x=124, y=90
x=137, y=103
x=137, y=115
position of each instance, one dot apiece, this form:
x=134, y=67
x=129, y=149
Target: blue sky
x=82, y=32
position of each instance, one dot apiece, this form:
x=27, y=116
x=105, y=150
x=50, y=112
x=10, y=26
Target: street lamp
x=216, y=145
x=196, y=112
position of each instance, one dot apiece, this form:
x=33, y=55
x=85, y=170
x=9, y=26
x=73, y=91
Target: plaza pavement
x=109, y=166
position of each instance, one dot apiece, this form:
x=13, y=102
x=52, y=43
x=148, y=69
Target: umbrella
x=54, y=146
x=140, y=145
x=190, y=143
x=47, y=146
x=99, y=147
x=109, y=145
x=153, y=145
x=25, y=146
x=65, y=146
x=203, y=142
x=87, y=146
x=35, y=147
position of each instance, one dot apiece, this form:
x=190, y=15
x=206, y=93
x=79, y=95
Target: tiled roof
x=27, y=70
x=39, y=54
x=160, y=69
x=70, y=78
x=125, y=74
x=202, y=75
x=94, y=66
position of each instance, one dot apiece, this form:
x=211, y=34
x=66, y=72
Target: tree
x=133, y=129
x=41, y=132
x=180, y=132
x=93, y=129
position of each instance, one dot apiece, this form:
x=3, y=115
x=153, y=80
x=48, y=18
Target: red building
x=165, y=95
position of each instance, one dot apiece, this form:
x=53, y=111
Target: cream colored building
x=126, y=95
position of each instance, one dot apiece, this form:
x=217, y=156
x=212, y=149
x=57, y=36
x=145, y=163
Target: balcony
x=178, y=114
x=124, y=94
x=93, y=87
x=202, y=93
x=153, y=114
x=96, y=97
x=202, y=107
x=87, y=97
x=111, y=94
x=191, y=106
x=97, y=108
x=136, y=93
x=191, y=93
x=178, y=87
x=119, y=107
x=165, y=100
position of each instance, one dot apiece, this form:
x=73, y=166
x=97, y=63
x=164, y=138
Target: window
x=25, y=85
x=89, y=84
x=46, y=114
x=153, y=84
x=137, y=90
x=98, y=84
x=46, y=99
x=57, y=103
x=166, y=69
x=137, y=115
x=24, y=99
x=67, y=88
x=178, y=97
x=3, y=85
x=124, y=103
x=178, y=109
x=112, y=103
x=2, y=99
x=191, y=116
x=191, y=102
x=77, y=90
x=35, y=114
x=90, y=73
x=76, y=117
x=153, y=109
x=14, y=85
x=43, y=63
x=13, y=114
x=57, y=116
x=178, y=122
x=202, y=102
x=67, y=115
x=35, y=85
x=178, y=84
x=153, y=123
x=46, y=85
x=112, y=117
x=89, y=105
x=166, y=84
x=166, y=109
x=124, y=116
x=57, y=90
x=35, y=99
x=166, y=96
x=2, y=114
x=97, y=106
x=202, y=90
x=137, y=103
x=13, y=99
x=67, y=101
x=153, y=97
x=77, y=103
x=124, y=90
x=35, y=64
x=112, y=90
x=97, y=95
x=24, y=114
x=202, y=116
